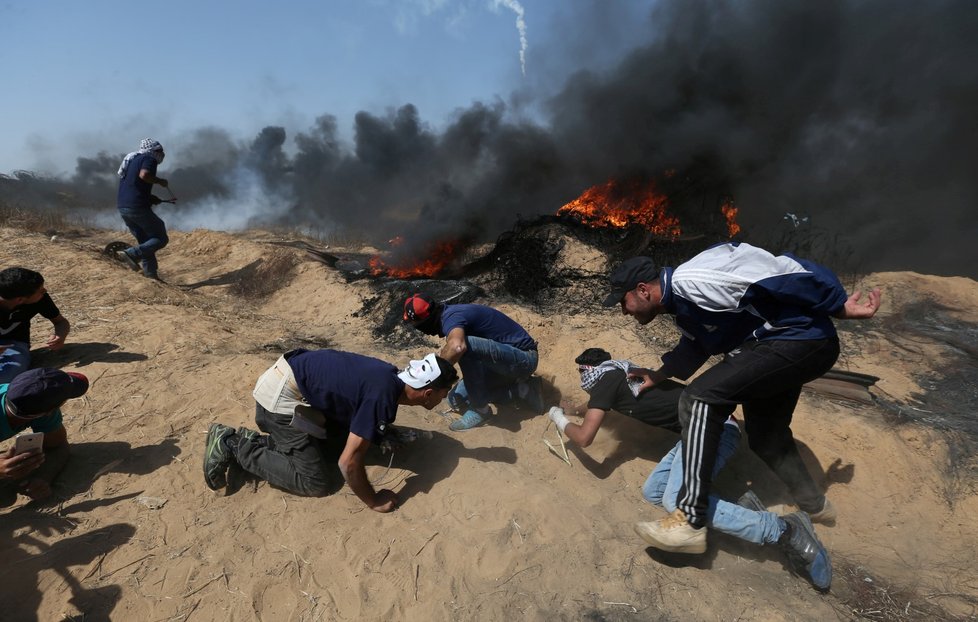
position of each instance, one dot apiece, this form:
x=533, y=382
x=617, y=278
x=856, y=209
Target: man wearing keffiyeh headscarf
x=137, y=174
x=608, y=387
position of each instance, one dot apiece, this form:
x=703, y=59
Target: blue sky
x=84, y=77
x=858, y=113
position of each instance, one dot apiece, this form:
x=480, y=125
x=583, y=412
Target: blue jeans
x=491, y=371
x=662, y=488
x=150, y=233
x=16, y=359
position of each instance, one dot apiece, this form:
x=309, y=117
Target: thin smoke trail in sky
x=517, y=8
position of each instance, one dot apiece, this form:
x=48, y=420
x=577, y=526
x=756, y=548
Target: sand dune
x=492, y=526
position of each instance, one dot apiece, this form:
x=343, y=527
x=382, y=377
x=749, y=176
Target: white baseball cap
x=419, y=374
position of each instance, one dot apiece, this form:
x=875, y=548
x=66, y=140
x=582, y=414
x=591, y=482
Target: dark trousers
x=287, y=458
x=765, y=377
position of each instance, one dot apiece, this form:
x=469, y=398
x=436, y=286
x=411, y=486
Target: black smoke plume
x=859, y=116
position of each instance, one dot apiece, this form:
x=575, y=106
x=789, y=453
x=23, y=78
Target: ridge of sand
x=491, y=527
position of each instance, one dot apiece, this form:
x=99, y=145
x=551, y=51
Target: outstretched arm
x=581, y=433
x=856, y=310
x=352, y=468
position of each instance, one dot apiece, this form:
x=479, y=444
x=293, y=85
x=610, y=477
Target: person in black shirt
x=22, y=296
x=607, y=385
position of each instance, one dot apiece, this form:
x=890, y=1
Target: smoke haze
x=861, y=116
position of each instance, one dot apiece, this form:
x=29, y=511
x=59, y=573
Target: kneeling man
x=304, y=393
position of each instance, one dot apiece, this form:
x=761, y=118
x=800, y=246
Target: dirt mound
x=492, y=526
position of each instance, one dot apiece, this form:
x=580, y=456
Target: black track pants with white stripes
x=765, y=378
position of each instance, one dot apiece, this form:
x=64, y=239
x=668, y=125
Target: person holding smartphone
x=33, y=400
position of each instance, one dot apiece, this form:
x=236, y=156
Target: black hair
x=19, y=283
x=431, y=325
x=593, y=357
x=447, y=376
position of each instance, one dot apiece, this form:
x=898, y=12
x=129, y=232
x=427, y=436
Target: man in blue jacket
x=771, y=316
x=135, y=201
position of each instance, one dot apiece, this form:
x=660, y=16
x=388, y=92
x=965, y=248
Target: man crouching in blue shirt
x=496, y=355
x=305, y=392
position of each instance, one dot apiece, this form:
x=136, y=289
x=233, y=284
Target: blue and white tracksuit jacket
x=734, y=292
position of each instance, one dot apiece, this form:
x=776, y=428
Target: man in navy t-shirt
x=309, y=394
x=496, y=355
x=135, y=201
x=22, y=296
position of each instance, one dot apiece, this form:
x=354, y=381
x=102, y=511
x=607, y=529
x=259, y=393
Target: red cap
x=418, y=308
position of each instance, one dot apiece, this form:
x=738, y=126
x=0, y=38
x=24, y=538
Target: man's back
x=351, y=389
x=483, y=321
x=733, y=292
x=134, y=193
x=658, y=407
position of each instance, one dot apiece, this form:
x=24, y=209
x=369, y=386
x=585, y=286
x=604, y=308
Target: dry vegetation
x=494, y=527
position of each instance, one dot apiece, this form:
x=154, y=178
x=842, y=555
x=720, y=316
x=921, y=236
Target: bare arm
x=150, y=178
x=61, y=330
x=454, y=347
x=583, y=433
x=351, y=466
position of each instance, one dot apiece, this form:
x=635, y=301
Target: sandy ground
x=492, y=526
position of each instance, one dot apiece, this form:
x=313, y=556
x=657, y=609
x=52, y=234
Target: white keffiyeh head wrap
x=591, y=374
x=146, y=145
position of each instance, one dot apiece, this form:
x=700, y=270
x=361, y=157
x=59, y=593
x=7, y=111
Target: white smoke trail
x=517, y=8
x=252, y=204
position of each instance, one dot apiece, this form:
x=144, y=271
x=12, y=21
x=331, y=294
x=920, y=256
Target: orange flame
x=620, y=204
x=730, y=213
x=439, y=255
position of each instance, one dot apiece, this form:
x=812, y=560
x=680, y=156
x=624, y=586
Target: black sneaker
x=217, y=458
x=250, y=435
x=751, y=501
x=127, y=259
x=805, y=552
x=530, y=392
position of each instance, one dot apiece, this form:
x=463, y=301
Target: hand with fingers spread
x=856, y=310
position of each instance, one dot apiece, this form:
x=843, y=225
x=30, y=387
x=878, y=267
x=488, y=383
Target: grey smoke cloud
x=857, y=115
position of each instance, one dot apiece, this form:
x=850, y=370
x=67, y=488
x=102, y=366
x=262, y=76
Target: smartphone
x=32, y=441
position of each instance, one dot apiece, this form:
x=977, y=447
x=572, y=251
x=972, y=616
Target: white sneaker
x=674, y=534
x=826, y=515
